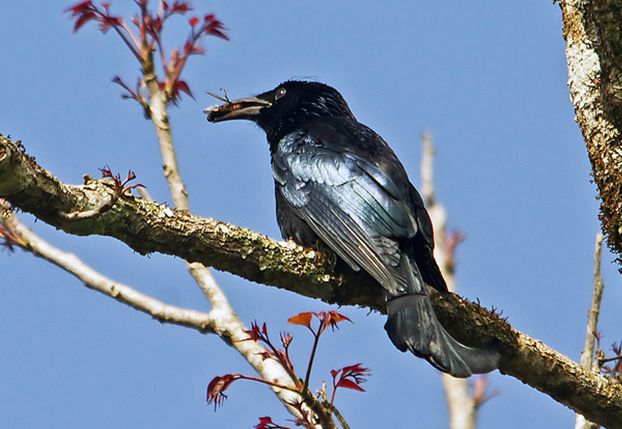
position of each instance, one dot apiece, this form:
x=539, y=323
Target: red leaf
x=267, y=423
x=216, y=32
x=286, y=339
x=334, y=317
x=263, y=423
x=355, y=370
x=347, y=384
x=106, y=171
x=303, y=319
x=194, y=21
x=79, y=7
x=83, y=19
x=154, y=25
x=217, y=387
x=331, y=318
x=165, y=6
x=214, y=27
x=108, y=22
x=350, y=377
x=253, y=332
x=180, y=7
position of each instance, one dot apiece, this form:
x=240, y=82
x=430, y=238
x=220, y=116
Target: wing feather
x=355, y=210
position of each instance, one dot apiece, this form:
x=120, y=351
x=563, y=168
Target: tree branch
x=594, y=55
x=165, y=313
x=592, y=323
x=148, y=227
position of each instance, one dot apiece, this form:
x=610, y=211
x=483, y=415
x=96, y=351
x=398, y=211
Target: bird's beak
x=243, y=108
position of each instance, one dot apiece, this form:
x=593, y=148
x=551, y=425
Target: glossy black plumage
x=337, y=181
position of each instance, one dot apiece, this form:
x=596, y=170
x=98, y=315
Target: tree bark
x=593, y=33
x=148, y=227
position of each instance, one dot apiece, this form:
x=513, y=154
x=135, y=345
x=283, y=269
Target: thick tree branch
x=594, y=54
x=148, y=227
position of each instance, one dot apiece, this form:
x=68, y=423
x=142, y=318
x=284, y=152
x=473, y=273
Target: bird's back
x=329, y=152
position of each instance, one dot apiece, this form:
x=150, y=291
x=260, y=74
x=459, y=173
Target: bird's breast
x=291, y=225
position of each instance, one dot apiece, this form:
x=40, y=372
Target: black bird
x=338, y=182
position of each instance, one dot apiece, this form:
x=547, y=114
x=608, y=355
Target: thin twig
x=611, y=359
x=165, y=313
x=132, y=47
x=462, y=407
x=268, y=383
x=427, y=169
x=312, y=357
x=593, y=313
x=594, y=310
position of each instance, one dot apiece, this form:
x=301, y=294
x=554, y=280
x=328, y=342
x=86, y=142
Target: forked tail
x=412, y=325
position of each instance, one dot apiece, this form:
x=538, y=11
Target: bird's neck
x=275, y=132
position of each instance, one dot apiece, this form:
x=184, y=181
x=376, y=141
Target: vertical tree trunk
x=593, y=33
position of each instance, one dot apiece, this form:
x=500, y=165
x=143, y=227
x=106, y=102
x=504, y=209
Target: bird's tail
x=412, y=325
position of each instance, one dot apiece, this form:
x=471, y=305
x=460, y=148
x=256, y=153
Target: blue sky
x=488, y=79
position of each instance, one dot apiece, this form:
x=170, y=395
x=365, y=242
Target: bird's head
x=281, y=109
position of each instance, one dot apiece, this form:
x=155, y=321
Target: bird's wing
x=350, y=203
